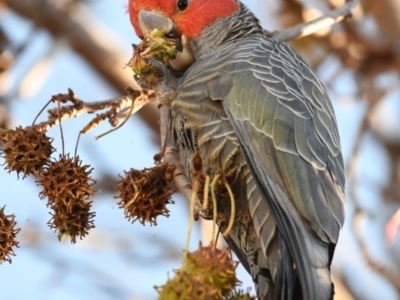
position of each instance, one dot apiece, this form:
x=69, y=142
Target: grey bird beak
x=149, y=20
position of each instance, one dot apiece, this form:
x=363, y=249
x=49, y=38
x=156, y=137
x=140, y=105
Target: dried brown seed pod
x=67, y=185
x=240, y=295
x=185, y=287
x=72, y=221
x=144, y=194
x=214, y=268
x=26, y=150
x=197, y=164
x=7, y=236
x=208, y=273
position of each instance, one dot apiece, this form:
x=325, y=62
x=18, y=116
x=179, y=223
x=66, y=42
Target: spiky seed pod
x=214, y=267
x=208, y=273
x=184, y=287
x=26, y=150
x=67, y=185
x=144, y=194
x=240, y=295
x=74, y=221
x=157, y=46
x=7, y=236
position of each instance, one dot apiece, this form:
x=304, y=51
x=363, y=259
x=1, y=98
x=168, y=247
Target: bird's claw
x=155, y=72
x=157, y=67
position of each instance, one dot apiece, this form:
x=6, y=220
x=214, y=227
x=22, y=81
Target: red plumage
x=135, y=6
x=191, y=22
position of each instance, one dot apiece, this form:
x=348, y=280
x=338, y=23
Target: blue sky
x=117, y=260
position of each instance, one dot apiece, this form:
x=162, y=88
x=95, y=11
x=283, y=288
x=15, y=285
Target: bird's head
x=184, y=19
x=190, y=17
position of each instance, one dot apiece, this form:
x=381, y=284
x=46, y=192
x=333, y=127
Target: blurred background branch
x=75, y=24
x=47, y=46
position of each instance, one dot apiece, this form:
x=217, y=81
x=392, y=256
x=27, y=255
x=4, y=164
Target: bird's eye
x=182, y=4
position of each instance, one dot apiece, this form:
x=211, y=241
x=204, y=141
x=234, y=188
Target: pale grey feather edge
x=336, y=160
x=296, y=236
x=321, y=151
x=320, y=261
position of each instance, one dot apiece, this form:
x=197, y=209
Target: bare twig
x=313, y=26
x=88, y=37
x=117, y=108
x=193, y=197
x=373, y=98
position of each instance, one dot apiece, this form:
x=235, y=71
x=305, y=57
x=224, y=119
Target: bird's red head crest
x=191, y=21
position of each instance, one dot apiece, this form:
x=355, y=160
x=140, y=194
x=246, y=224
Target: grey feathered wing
x=285, y=124
x=287, y=130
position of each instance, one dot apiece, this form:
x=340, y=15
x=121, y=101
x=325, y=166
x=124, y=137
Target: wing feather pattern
x=286, y=127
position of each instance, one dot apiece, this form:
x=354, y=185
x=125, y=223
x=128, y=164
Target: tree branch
x=313, y=26
x=87, y=37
